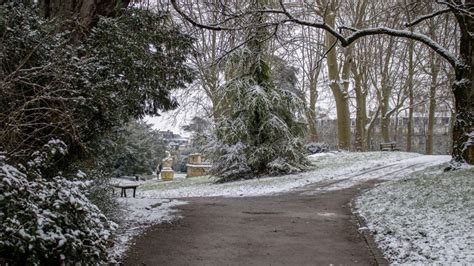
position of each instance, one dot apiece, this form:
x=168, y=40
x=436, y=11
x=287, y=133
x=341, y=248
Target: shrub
x=315, y=147
x=230, y=161
x=49, y=221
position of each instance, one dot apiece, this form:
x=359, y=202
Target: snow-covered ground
x=344, y=169
x=425, y=218
x=140, y=213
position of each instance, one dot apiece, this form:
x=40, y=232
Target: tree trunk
x=411, y=99
x=85, y=12
x=360, y=87
x=385, y=123
x=361, y=111
x=368, y=139
x=463, y=131
x=338, y=89
x=452, y=119
x=313, y=96
x=395, y=130
x=386, y=93
x=463, y=89
x=432, y=104
x=369, y=130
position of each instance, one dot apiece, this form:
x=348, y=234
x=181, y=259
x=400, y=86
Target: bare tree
x=463, y=87
x=308, y=46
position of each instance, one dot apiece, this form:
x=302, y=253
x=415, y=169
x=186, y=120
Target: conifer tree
x=261, y=130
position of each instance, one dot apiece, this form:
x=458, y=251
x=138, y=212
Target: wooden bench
x=123, y=192
x=389, y=146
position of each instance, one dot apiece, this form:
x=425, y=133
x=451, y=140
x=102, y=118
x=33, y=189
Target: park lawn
x=325, y=166
x=426, y=217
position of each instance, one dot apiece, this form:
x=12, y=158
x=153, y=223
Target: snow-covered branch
x=344, y=40
x=359, y=33
x=428, y=16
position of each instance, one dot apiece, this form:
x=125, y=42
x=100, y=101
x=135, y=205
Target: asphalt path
x=297, y=228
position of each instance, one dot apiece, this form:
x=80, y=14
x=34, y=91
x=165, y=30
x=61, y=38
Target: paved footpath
x=298, y=228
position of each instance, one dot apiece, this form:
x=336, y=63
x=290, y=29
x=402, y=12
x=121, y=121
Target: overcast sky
x=169, y=121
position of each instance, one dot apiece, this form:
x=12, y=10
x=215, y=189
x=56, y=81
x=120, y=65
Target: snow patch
x=425, y=218
x=141, y=213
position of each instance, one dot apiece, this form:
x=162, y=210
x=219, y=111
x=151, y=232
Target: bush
x=315, y=147
x=100, y=193
x=135, y=149
x=49, y=221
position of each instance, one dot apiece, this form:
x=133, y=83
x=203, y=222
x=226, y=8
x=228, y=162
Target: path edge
x=368, y=237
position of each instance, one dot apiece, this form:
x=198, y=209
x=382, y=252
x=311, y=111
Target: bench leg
x=125, y=192
x=134, y=189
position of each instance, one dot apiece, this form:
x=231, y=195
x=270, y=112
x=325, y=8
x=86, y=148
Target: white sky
x=169, y=121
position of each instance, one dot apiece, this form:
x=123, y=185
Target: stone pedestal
x=197, y=170
x=196, y=167
x=167, y=174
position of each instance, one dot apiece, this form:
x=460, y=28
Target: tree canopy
x=53, y=87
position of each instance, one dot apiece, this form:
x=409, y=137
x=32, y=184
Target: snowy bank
x=344, y=169
x=139, y=214
x=425, y=218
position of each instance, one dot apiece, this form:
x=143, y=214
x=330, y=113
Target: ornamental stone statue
x=167, y=172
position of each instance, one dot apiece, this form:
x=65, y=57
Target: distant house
x=174, y=141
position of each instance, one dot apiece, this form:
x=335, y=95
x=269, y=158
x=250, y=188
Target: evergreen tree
x=78, y=92
x=262, y=130
x=138, y=149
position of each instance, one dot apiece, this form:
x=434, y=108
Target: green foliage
x=262, y=132
x=134, y=148
x=138, y=150
x=141, y=58
x=48, y=221
x=100, y=193
x=53, y=87
x=201, y=131
x=197, y=125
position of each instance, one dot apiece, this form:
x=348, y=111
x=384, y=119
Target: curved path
x=313, y=225
x=298, y=228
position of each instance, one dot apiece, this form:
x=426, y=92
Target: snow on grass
x=388, y=171
x=326, y=167
x=139, y=214
x=425, y=218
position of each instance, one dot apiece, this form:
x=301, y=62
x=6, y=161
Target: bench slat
x=392, y=146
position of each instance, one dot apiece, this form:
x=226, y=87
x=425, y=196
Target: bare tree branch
x=428, y=16
x=345, y=41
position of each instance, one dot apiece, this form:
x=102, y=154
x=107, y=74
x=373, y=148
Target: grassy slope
x=427, y=217
x=324, y=166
